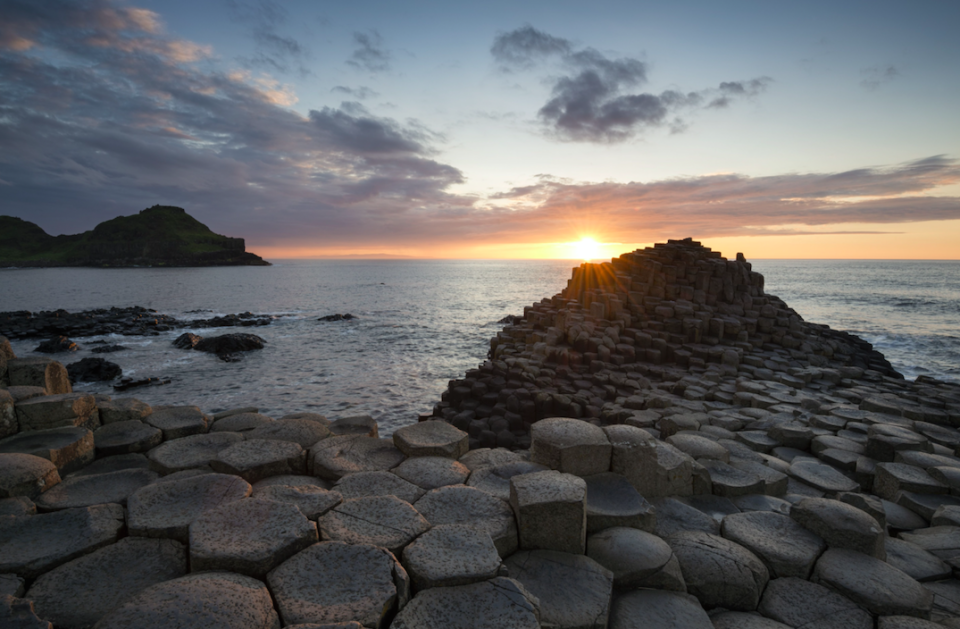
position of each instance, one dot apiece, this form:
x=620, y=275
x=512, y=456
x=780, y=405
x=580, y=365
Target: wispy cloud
x=370, y=55
x=876, y=76
x=594, y=100
x=360, y=93
x=273, y=51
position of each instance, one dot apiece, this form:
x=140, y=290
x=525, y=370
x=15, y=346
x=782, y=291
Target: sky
x=494, y=129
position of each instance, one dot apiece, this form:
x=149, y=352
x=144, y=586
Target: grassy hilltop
x=158, y=236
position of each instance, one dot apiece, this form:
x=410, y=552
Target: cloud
x=875, y=76
x=360, y=93
x=370, y=54
x=525, y=46
x=593, y=100
x=273, y=50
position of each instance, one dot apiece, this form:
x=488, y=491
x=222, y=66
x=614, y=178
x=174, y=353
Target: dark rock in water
x=187, y=340
x=93, y=370
x=57, y=345
x=511, y=319
x=129, y=383
x=233, y=357
x=106, y=349
x=229, y=344
x=337, y=317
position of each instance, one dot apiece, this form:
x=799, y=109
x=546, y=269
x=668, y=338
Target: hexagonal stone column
x=636, y=559
x=379, y=483
x=639, y=609
x=333, y=582
x=612, y=501
x=383, y=521
x=125, y=437
x=570, y=445
x=430, y=472
x=26, y=475
x=312, y=501
x=653, y=467
x=39, y=372
x=719, y=572
x=499, y=603
x=54, y=411
x=208, y=599
x=304, y=432
x=574, y=590
x=69, y=448
x=785, y=547
x=495, y=479
x=80, y=592
x=256, y=459
x=840, y=525
x=551, y=511
x=250, y=536
x=95, y=489
x=122, y=410
x=799, y=603
x=457, y=504
x=30, y=546
x=166, y=509
x=892, y=478
x=178, y=421
x=432, y=438
x=185, y=453
x=340, y=455
x=451, y=554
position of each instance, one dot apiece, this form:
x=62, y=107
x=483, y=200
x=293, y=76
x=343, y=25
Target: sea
x=420, y=323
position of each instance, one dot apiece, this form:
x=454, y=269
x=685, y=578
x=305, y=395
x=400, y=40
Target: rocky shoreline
x=661, y=445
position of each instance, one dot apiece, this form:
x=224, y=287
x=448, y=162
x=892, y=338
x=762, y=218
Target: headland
x=662, y=444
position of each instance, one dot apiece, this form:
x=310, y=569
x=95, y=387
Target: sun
x=586, y=249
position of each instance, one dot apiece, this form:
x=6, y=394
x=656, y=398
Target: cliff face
x=157, y=236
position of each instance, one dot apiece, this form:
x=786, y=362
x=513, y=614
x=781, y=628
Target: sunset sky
x=491, y=129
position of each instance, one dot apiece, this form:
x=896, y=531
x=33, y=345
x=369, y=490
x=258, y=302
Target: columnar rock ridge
x=671, y=323
x=778, y=491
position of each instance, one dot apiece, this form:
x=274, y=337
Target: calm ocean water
x=422, y=323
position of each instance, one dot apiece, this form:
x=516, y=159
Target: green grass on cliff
x=156, y=233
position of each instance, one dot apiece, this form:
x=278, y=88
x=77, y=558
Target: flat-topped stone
x=906, y=622
x=430, y=472
x=872, y=583
x=124, y=437
x=785, y=547
x=337, y=456
x=314, y=417
x=840, y=525
x=80, y=592
x=653, y=467
x=674, y=516
x=699, y=447
x=613, y=501
x=190, y=452
x=636, y=559
x=293, y=480
x=925, y=505
x=250, y=536
x=570, y=446
x=166, y=509
x=941, y=541
x=432, y=438
x=47, y=373
x=32, y=545
x=85, y=491
x=915, y=561
x=332, y=582
x=774, y=481
x=312, y=501
x=383, y=521
x=573, y=590
x=729, y=481
x=207, y=599
x=946, y=601
x=122, y=410
x=821, y=476
x=720, y=573
x=378, y=483
x=449, y=555
x=892, y=478
x=900, y=518
x=114, y=463
x=458, y=504
x=495, y=479
x=356, y=425
x=26, y=475
x=948, y=515
x=178, y=421
x=241, y=422
x=499, y=603
x=885, y=440
x=54, y=411
x=639, y=609
x=799, y=603
x=551, y=511
x=69, y=448
x=256, y=459
x=489, y=457
x=304, y=432
x=761, y=502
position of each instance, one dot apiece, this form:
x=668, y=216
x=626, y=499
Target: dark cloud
x=875, y=76
x=525, y=46
x=274, y=51
x=370, y=54
x=360, y=93
x=593, y=101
